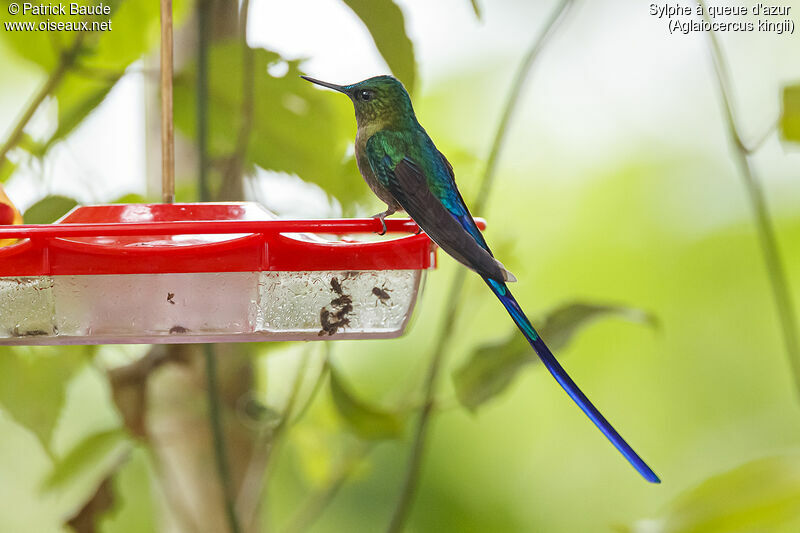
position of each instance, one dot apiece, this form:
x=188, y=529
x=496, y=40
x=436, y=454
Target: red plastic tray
x=207, y=237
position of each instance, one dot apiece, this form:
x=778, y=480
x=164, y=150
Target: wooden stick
x=167, y=127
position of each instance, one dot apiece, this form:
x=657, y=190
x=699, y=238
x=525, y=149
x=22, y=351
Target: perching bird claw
x=382, y=216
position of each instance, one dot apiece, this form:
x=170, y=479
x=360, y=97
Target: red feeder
x=210, y=272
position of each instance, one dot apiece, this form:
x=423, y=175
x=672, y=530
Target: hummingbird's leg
x=382, y=216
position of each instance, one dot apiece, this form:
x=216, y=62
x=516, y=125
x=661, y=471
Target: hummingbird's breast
x=364, y=167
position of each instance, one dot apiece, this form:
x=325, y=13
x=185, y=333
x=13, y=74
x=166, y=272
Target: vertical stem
x=214, y=414
x=232, y=187
x=218, y=436
x=202, y=99
x=767, y=239
x=775, y=271
x=248, y=85
x=411, y=481
x=167, y=128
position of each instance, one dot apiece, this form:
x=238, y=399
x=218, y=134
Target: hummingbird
x=403, y=167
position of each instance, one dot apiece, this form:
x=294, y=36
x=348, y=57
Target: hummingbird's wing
x=461, y=212
x=446, y=221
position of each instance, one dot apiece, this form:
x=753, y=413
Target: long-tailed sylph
x=404, y=169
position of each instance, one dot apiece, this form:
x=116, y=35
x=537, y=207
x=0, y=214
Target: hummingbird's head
x=380, y=100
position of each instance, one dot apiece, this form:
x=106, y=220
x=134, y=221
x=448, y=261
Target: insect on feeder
x=205, y=272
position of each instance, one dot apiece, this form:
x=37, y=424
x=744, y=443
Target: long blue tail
x=558, y=372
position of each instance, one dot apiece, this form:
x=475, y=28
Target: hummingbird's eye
x=365, y=95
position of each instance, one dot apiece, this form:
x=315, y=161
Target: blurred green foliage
x=33, y=384
x=40, y=47
x=760, y=495
x=295, y=127
x=99, y=451
x=135, y=510
x=82, y=67
x=366, y=421
x=790, y=117
x=386, y=25
x=6, y=171
x=48, y=209
x=492, y=367
x=708, y=394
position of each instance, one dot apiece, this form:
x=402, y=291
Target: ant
x=382, y=294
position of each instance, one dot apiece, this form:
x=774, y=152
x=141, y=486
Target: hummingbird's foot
x=419, y=230
x=381, y=217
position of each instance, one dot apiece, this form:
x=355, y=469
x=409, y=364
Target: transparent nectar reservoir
x=181, y=273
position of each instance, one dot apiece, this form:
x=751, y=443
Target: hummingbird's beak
x=325, y=84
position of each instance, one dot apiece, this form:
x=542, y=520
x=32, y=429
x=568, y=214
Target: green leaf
x=491, y=368
x=101, y=62
x=96, y=455
x=761, y=495
x=7, y=168
x=131, y=198
x=385, y=22
x=77, y=97
x=364, y=420
x=296, y=128
x=33, y=384
x=135, y=506
x=48, y=209
x=135, y=32
x=86, y=518
x=37, y=47
x=560, y=324
x=27, y=143
x=790, y=115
